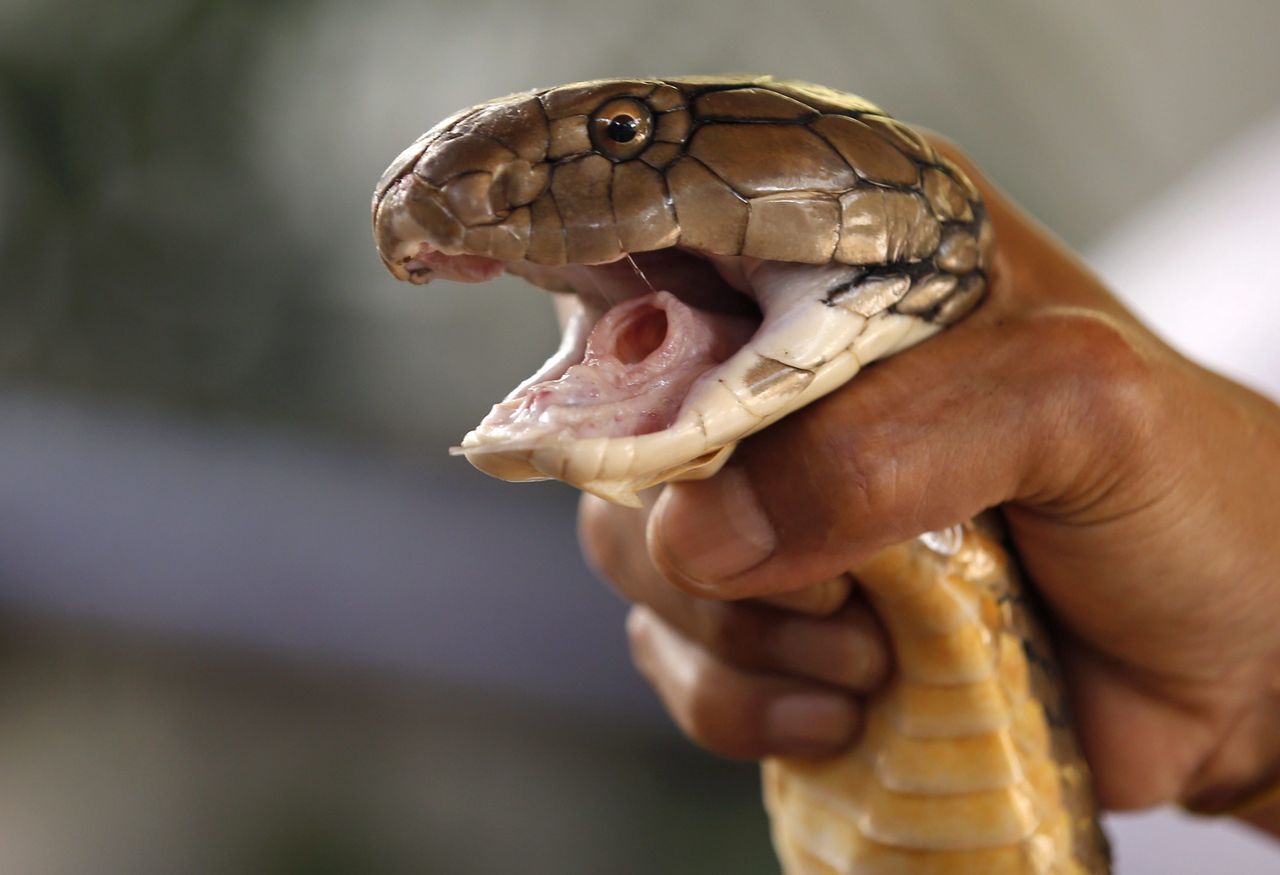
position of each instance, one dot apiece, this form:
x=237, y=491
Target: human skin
x=1141, y=491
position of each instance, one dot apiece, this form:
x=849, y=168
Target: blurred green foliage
x=139, y=254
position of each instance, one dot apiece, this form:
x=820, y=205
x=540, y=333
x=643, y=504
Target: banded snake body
x=726, y=250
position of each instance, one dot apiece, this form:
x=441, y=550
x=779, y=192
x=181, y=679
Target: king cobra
x=725, y=250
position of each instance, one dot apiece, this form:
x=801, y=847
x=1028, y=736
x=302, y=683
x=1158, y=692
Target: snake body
x=853, y=238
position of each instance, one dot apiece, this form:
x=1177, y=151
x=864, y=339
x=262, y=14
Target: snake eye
x=621, y=128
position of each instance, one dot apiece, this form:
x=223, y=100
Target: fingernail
x=810, y=722
x=713, y=529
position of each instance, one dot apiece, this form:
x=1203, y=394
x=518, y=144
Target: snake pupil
x=622, y=129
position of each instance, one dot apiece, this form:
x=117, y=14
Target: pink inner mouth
x=632, y=372
x=641, y=360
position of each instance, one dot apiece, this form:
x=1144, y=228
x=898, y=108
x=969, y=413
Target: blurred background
x=253, y=619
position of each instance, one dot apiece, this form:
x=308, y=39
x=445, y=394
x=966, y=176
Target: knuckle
x=859, y=453
x=1103, y=347
x=709, y=716
x=846, y=464
x=704, y=697
x=867, y=480
x=734, y=632
x=1114, y=379
x=639, y=628
x=719, y=628
x=866, y=483
x=847, y=484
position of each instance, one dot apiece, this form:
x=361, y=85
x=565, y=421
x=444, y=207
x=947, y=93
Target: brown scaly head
x=795, y=232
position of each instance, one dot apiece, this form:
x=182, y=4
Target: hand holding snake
x=1140, y=490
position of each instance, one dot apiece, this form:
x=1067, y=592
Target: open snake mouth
x=637, y=334
x=669, y=357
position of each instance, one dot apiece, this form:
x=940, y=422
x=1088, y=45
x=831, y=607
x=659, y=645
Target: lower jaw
x=630, y=377
x=812, y=344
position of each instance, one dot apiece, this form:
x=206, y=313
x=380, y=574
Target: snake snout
x=420, y=240
x=469, y=215
x=463, y=191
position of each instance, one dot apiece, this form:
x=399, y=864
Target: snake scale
x=723, y=251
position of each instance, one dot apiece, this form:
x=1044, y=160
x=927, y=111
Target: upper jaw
x=600, y=285
x=469, y=215
x=419, y=240
x=424, y=263
x=471, y=226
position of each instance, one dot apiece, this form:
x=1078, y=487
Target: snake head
x=734, y=248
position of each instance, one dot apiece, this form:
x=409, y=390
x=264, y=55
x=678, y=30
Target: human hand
x=1140, y=490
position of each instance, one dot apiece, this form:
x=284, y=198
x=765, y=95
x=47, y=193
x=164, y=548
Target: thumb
x=1004, y=407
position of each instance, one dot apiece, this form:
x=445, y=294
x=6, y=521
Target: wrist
x=1242, y=777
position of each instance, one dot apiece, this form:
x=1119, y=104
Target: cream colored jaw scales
x=855, y=239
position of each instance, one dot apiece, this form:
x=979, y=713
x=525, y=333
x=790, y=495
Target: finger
x=818, y=600
x=612, y=539
x=847, y=649
x=1041, y=407
x=733, y=712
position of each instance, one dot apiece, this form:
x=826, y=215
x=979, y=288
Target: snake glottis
x=724, y=251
